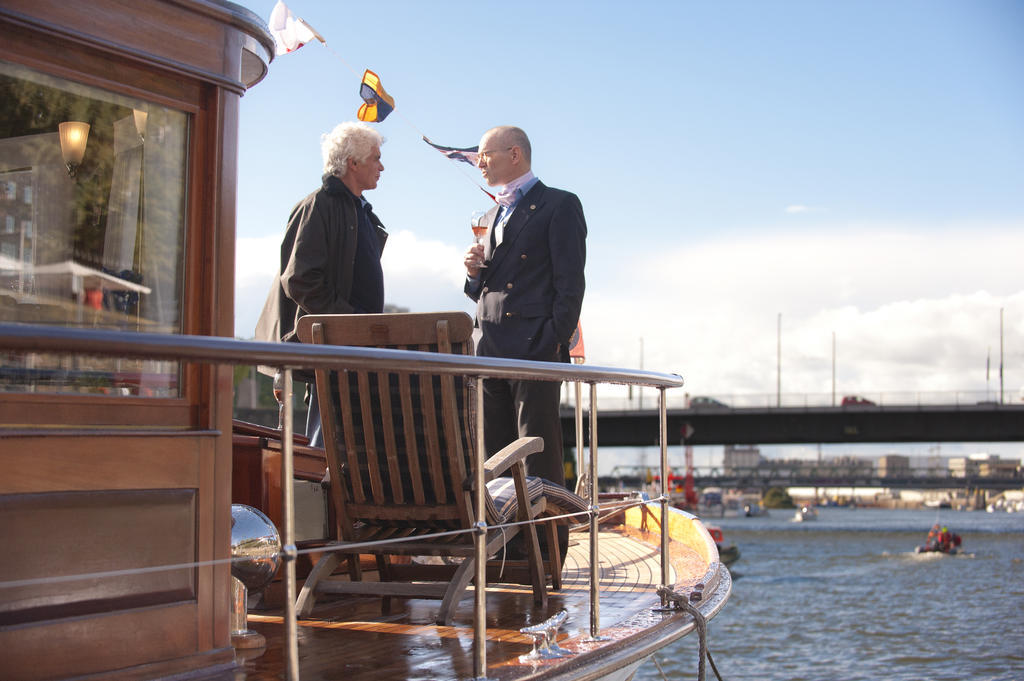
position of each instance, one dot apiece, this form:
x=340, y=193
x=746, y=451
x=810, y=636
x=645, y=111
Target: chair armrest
x=510, y=454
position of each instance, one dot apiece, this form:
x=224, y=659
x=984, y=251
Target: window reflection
x=98, y=243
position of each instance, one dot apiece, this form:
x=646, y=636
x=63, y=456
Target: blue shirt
x=367, y=274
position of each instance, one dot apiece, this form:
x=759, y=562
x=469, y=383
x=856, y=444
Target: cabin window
x=90, y=236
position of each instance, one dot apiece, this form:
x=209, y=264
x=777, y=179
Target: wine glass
x=478, y=223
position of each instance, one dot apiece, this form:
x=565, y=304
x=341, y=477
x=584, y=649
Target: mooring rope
x=682, y=602
x=658, y=665
x=711, y=661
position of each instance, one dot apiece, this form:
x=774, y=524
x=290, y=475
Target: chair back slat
x=438, y=481
x=331, y=430
x=367, y=413
x=348, y=431
x=391, y=454
x=455, y=453
x=415, y=474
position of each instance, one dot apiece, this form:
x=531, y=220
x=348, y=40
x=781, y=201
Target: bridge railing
x=641, y=400
x=828, y=474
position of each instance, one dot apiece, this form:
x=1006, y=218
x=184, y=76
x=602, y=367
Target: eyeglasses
x=487, y=155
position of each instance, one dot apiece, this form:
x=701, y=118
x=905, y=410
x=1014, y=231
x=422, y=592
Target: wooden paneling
x=25, y=411
x=90, y=484
x=111, y=502
x=103, y=461
x=175, y=34
x=69, y=58
x=105, y=531
x=79, y=646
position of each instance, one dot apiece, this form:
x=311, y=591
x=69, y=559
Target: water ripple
x=851, y=600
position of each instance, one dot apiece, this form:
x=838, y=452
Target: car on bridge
x=703, y=402
x=856, y=401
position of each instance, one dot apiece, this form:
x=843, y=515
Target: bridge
x=976, y=422
x=830, y=474
x=802, y=419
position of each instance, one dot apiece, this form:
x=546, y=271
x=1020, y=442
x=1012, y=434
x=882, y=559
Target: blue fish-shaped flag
x=466, y=154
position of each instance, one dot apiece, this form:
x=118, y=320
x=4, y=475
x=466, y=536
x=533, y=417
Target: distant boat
x=805, y=513
x=711, y=503
x=727, y=555
x=952, y=549
x=754, y=509
x=1010, y=501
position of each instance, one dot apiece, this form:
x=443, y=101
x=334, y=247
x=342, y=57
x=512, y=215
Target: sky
x=776, y=193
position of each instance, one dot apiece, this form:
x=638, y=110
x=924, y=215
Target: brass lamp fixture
x=74, y=135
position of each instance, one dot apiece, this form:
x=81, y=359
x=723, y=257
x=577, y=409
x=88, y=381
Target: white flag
x=290, y=33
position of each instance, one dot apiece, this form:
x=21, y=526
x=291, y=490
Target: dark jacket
x=530, y=294
x=317, y=260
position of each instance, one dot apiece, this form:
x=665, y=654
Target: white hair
x=349, y=140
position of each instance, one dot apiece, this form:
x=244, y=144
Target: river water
x=845, y=597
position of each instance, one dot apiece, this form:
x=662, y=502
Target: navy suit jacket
x=530, y=294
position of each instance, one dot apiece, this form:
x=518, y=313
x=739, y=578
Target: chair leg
x=554, y=556
x=307, y=597
x=355, y=568
x=540, y=591
x=526, y=512
x=459, y=581
x=384, y=575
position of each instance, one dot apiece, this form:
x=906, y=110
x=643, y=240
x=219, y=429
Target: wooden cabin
x=118, y=148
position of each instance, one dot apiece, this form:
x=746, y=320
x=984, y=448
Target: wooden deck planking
x=350, y=640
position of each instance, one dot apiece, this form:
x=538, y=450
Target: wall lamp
x=74, y=135
x=140, y=117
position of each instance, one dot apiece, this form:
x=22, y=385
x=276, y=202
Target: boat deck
x=350, y=639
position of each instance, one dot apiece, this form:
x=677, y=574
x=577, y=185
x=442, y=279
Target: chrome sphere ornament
x=255, y=556
x=255, y=547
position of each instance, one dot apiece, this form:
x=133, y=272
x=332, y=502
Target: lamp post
x=1000, y=355
x=639, y=389
x=778, y=362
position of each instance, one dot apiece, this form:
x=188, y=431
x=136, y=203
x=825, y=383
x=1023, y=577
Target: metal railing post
x=582, y=477
x=288, y=550
x=480, y=545
x=595, y=567
x=663, y=440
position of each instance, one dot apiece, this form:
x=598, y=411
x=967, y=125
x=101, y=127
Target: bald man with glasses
x=527, y=280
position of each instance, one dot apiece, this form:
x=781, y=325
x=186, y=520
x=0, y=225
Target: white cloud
x=256, y=263
x=256, y=259
x=798, y=209
x=424, y=275
x=420, y=275
x=911, y=310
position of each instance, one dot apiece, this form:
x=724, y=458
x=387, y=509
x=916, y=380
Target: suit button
x=508, y=285
x=485, y=289
x=522, y=257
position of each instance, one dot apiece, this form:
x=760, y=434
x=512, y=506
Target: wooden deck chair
x=400, y=455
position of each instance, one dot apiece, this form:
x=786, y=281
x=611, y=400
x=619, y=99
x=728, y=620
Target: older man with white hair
x=330, y=254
